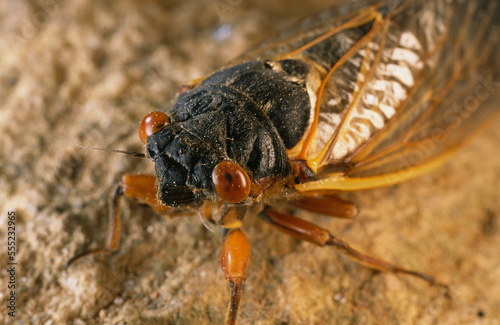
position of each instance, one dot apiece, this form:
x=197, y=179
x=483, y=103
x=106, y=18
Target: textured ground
x=85, y=72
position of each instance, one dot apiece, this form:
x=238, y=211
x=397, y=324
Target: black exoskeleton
x=249, y=113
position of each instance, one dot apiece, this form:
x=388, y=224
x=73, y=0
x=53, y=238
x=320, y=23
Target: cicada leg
x=234, y=262
x=140, y=187
x=309, y=232
x=184, y=88
x=329, y=205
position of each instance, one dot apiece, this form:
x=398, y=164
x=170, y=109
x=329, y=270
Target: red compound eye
x=152, y=123
x=231, y=182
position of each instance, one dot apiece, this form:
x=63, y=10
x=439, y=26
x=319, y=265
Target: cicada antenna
x=130, y=153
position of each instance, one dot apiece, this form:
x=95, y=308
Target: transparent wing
x=455, y=88
x=311, y=30
x=407, y=83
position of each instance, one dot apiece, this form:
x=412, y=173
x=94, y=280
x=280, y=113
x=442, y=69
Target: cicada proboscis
x=364, y=95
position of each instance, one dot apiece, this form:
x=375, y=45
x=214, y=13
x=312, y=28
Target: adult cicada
x=367, y=94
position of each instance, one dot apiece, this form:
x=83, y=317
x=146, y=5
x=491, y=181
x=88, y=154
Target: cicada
x=363, y=95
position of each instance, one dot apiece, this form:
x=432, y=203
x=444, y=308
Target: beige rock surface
x=85, y=72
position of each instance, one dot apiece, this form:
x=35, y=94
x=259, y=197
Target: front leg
x=140, y=187
x=234, y=262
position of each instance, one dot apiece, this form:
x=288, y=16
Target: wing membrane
x=455, y=92
x=407, y=83
x=313, y=30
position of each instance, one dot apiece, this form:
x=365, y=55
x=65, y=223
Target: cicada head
x=183, y=166
x=187, y=169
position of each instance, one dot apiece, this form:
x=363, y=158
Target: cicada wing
x=452, y=121
x=414, y=88
x=308, y=32
x=457, y=91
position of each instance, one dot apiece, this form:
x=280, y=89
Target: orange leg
x=307, y=231
x=234, y=262
x=140, y=187
x=329, y=205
